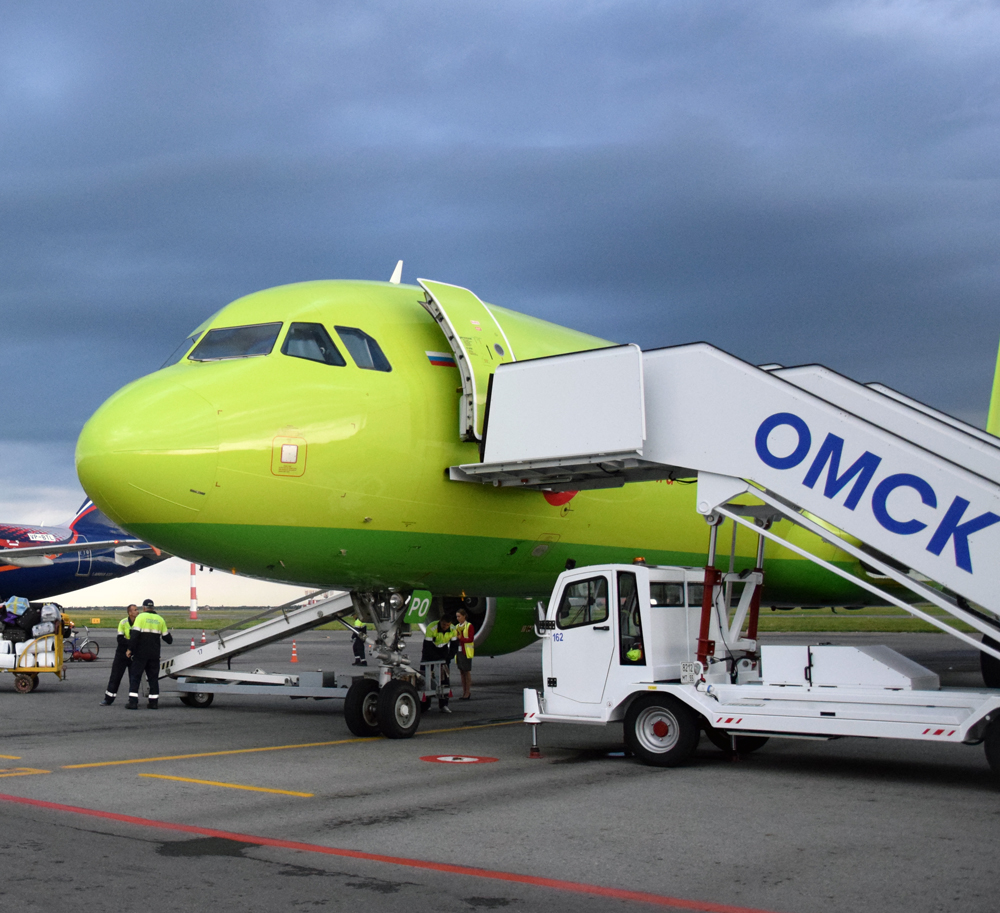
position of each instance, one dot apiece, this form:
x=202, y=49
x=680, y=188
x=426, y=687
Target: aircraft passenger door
x=583, y=642
x=478, y=342
x=84, y=561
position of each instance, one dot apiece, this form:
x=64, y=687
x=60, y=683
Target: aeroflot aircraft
x=42, y=562
x=303, y=434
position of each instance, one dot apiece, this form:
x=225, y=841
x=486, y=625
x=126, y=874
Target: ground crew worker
x=359, y=633
x=121, y=661
x=437, y=639
x=465, y=635
x=144, y=650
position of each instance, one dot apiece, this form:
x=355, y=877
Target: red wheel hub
x=660, y=729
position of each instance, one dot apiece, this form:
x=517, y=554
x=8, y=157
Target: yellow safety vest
x=465, y=639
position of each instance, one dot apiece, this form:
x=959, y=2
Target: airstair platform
x=907, y=490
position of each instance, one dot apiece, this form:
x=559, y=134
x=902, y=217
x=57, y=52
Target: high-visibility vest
x=124, y=627
x=147, y=629
x=466, y=638
x=439, y=638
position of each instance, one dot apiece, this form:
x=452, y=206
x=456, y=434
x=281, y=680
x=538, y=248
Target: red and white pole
x=194, y=595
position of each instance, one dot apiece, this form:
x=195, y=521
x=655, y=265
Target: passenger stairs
x=912, y=493
x=271, y=625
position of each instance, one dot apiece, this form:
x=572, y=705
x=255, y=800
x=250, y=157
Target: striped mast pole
x=194, y=595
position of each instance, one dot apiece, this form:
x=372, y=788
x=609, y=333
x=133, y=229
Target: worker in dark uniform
x=437, y=646
x=144, y=650
x=359, y=632
x=121, y=661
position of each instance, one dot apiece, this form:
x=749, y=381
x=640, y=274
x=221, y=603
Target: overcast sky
x=794, y=182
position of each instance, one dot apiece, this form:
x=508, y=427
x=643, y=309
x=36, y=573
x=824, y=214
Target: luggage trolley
x=32, y=657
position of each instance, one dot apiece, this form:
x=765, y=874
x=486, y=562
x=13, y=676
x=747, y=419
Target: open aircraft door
x=478, y=343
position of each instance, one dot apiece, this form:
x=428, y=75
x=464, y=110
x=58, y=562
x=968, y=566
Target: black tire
x=91, y=647
x=990, y=665
x=745, y=744
x=34, y=680
x=361, y=707
x=991, y=743
x=22, y=683
x=197, y=698
x=660, y=730
x=398, y=710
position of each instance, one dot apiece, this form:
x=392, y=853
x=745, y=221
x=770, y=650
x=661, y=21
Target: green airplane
x=303, y=434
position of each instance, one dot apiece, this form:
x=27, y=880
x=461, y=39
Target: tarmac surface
x=263, y=804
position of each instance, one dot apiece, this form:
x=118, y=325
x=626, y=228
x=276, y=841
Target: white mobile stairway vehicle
x=912, y=493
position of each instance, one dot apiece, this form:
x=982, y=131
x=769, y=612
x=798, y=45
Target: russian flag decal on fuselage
x=441, y=359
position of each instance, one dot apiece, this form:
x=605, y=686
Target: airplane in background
x=304, y=433
x=43, y=562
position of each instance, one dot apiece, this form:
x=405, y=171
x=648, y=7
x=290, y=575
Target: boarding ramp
x=269, y=626
x=908, y=491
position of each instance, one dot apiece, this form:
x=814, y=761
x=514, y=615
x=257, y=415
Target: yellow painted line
x=255, y=789
x=232, y=751
x=216, y=754
x=21, y=771
x=10, y=757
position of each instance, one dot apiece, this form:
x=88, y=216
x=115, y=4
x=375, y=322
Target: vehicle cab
x=608, y=627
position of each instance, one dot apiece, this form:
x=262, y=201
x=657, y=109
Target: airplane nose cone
x=148, y=455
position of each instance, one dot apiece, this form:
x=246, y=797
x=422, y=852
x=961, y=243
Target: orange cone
x=192, y=643
x=203, y=637
x=295, y=655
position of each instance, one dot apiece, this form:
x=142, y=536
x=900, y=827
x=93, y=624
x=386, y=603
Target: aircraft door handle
x=602, y=627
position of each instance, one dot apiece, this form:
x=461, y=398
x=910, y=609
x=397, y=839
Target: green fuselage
x=189, y=459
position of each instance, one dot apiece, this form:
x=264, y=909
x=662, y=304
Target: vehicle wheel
x=91, y=647
x=745, y=744
x=197, y=698
x=67, y=651
x=660, y=730
x=990, y=664
x=398, y=710
x=361, y=707
x=34, y=680
x=992, y=745
x=22, y=683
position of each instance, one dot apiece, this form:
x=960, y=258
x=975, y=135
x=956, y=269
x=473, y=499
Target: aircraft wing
x=57, y=548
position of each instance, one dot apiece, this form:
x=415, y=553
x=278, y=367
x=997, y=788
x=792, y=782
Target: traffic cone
x=203, y=638
x=295, y=655
x=192, y=643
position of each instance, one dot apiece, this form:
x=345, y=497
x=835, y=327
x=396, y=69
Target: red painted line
x=661, y=900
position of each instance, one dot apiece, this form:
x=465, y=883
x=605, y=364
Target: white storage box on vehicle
x=827, y=665
x=7, y=660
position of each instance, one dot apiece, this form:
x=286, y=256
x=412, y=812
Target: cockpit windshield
x=311, y=341
x=236, y=342
x=180, y=351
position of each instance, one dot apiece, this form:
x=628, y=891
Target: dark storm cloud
x=813, y=182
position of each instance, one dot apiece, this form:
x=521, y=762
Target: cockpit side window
x=311, y=341
x=180, y=351
x=236, y=342
x=364, y=350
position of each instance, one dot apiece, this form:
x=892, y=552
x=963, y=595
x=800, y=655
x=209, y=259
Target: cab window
x=180, y=351
x=666, y=594
x=583, y=603
x=631, y=650
x=364, y=349
x=696, y=593
x=311, y=341
x=236, y=342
